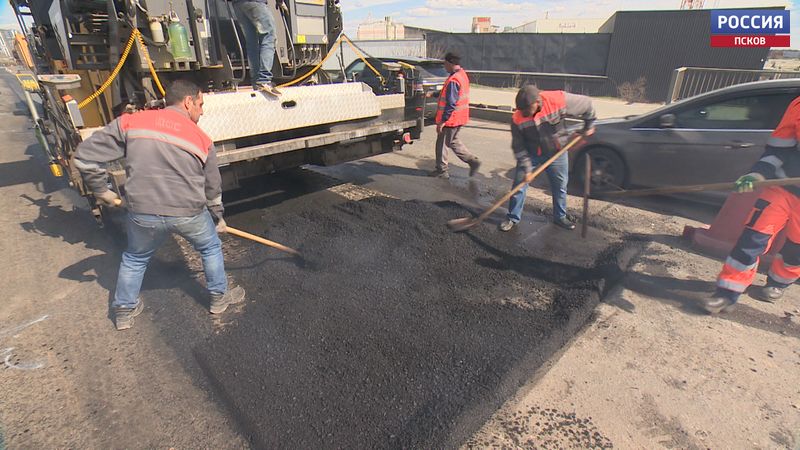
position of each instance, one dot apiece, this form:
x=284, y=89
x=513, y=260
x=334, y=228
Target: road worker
x=777, y=208
x=258, y=24
x=172, y=183
x=538, y=131
x=453, y=113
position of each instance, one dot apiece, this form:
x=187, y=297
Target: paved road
x=650, y=372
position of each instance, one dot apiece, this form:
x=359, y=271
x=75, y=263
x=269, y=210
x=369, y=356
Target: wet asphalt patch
x=394, y=331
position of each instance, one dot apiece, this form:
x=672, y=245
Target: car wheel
x=608, y=169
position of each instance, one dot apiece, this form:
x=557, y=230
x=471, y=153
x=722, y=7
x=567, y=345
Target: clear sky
x=456, y=15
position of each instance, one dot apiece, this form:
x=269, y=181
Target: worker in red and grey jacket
x=777, y=208
x=172, y=183
x=452, y=113
x=538, y=131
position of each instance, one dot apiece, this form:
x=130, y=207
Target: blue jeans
x=146, y=233
x=557, y=174
x=258, y=25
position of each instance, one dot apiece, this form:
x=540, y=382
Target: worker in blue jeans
x=173, y=186
x=258, y=25
x=556, y=175
x=147, y=232
x=538, y=131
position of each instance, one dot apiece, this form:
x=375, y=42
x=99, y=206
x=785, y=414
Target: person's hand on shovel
x=108, y=198
x=221, y=227
x=745, y=183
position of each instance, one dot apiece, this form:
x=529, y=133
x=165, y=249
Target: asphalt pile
x=395, y=332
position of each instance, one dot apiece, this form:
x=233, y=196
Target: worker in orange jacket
x=777, y=208
x=452, y=113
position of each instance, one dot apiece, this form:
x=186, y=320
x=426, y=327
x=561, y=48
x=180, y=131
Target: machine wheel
x=609, y=172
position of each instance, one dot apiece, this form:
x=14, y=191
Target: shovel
x=465, y=223
x=260, y=240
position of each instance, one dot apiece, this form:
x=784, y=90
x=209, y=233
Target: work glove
x=222, y=227
x=745, y=182
x=108, y=198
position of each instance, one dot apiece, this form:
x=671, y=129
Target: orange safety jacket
x=545, y=129
x=781, y=158
x=460, y=115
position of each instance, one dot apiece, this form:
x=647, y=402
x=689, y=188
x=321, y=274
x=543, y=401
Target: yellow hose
x=135, y=35
x=316, y=68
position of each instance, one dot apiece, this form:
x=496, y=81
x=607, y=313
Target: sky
x=456, y=15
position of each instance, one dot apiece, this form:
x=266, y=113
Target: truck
x=93, y=60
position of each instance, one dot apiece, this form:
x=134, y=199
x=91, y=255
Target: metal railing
x=690, y=81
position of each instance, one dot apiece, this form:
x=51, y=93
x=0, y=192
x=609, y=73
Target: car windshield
x=432, y=69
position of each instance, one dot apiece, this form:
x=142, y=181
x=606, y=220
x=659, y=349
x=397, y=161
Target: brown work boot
x=123, y=317
x=220, y=302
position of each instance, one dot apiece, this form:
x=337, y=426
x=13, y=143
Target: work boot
x=506, y=225
x=474, y=165
x=769, y=294
x=439, y=173
x=220, y=302
x=268, y=88
x=123, y=317
x=718, y=304
x=564, y=223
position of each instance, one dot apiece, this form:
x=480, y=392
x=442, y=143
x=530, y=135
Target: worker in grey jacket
x=539, y=131
x=172, y=183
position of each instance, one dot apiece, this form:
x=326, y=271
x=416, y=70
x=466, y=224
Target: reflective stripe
x=216, y=201
x=555, y=115
x=84, y=166
x=731, y=285
x=780, y=279
x=783, y=263
x=772, y=160
x=526, y=124
x=781, y=142
x=736, y=265
x=169, y=139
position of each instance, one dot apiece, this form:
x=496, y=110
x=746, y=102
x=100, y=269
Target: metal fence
x=690, y=81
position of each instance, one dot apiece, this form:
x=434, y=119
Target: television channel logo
x=750, y=28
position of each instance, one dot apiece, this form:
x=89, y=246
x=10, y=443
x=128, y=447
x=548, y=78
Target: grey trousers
x=448, y=138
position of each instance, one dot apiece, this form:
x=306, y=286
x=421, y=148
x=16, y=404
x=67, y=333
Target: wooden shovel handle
x=260, y=240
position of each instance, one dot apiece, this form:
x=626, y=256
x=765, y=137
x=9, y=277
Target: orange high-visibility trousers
x=776, y=209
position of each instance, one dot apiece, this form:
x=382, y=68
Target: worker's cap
x=452, y=58
x=526, y=96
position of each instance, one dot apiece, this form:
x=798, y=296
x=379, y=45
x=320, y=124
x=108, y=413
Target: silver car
x=710, y=138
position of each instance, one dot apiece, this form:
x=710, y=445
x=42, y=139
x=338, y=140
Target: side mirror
x=667, y=121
